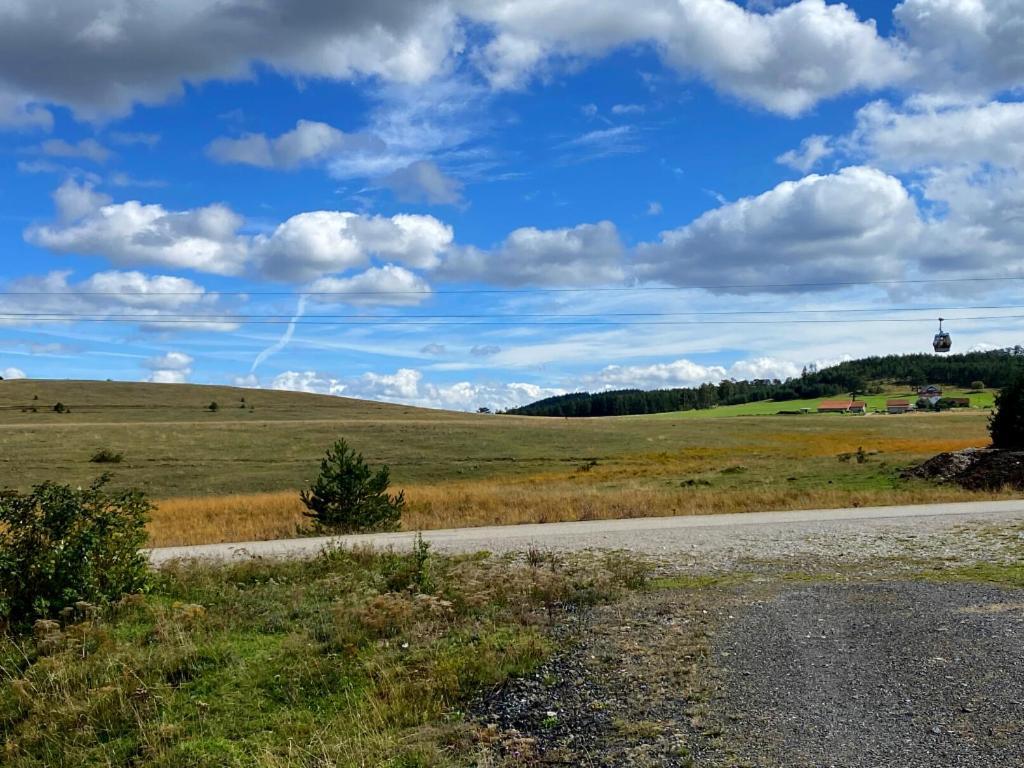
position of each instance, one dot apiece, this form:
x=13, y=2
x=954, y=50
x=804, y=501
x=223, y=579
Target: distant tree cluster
x=996, y=368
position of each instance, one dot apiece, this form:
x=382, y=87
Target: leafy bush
x=348, y=496
x=106, y=456
x=60, y=408
x=1007, y=423
x=60, y=545
x=977, y=384
x=213, y=407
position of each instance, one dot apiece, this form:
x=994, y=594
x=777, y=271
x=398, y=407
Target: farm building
x=842, y=406
x=897, y=406
x=931, y=393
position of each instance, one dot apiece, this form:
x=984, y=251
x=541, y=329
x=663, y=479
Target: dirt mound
x=977, y=469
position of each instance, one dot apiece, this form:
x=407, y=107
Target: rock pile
x=976, y=469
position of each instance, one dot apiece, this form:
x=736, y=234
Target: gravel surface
x=722, y=541
x=896, y=674
x=773, y=674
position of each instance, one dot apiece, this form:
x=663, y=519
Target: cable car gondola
x=942, y=341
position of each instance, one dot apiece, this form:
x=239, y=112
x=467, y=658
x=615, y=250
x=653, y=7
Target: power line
x=413, y=321
x=488, y=315
x=580, y=289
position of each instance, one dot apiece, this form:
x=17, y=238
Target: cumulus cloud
x=812, y=150
x=170, y=368
x=307, y=143
x=587, y=254
x=686, y=373
x=407, y=386
x=423, y=182
x=833, y=228
x=318, y=243
x=12, y=373
x=133, y=234
x=207, y=239
x=784, y=60
x=965, y=46
x=158, y=302
x=920, y=135
x=99, y=57
x=389, y=285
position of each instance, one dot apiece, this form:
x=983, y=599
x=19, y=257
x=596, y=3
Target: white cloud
x=423, y=182
x=586, y=254
x=654, y=208
x=920, y=135
x=310, y=245
x=135, y=138
x=12, y=373
x=305, y=381
x=304, y=247
x=309, y=142
x=132, y=234
x=686, y=373
x=388, y=285
x=88, y=149
x=852, y=225
x=965, y=46
x=433, y=349
x=785, y=60
x=811, y=151
x=170, y=368
x=152, y=302
x=407, y=386
x=100, y=57
x=628, y=109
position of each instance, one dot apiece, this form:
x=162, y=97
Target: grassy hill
x=979, y=399
x=233, y=474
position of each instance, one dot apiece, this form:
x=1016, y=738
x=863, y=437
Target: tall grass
x=350, y=659
x=265, y=516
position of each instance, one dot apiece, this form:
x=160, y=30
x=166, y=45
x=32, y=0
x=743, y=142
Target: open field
x=234, y=474
x=984, y=398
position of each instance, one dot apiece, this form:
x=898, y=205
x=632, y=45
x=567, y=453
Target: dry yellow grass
x=263, y=516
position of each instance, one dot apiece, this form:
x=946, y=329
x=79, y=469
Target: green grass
x=173, y=446
x=351, y=659
x=979, y=399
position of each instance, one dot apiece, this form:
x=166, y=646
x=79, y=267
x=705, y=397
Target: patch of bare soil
x=976, y=469
x=777, y=675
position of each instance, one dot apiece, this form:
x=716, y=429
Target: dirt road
x=866, y=531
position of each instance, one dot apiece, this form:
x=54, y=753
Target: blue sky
x=484, y=203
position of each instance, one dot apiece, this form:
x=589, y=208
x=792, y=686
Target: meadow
x=233, y=474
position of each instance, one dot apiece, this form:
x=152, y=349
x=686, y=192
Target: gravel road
x=902, y=674
x=722, y=540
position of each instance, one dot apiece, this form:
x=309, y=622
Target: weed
x=106, y=456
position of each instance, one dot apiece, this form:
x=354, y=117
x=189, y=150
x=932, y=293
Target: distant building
x=931, y=393
x=858, y=406
x=897, y=406
x=834, y=406
x=958, y=402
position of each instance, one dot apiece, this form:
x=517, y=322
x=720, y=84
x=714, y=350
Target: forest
x=994, y=368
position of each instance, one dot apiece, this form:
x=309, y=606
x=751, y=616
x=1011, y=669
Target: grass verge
x=351, y=659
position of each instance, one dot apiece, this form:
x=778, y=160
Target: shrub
x=213, y=407
x=348, y=496
x=978, y=384
x=1007, y=423
x=106, y=456
x=60, y=408
x=60, y=545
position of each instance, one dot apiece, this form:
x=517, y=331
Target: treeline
x=995, y=369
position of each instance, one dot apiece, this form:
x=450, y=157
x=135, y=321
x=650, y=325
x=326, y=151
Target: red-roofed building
x=897, y=406
x=834, y=406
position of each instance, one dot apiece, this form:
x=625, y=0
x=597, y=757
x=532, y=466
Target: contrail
x=283, y=342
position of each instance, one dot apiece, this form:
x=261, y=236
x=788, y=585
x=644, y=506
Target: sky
x=470, y=203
